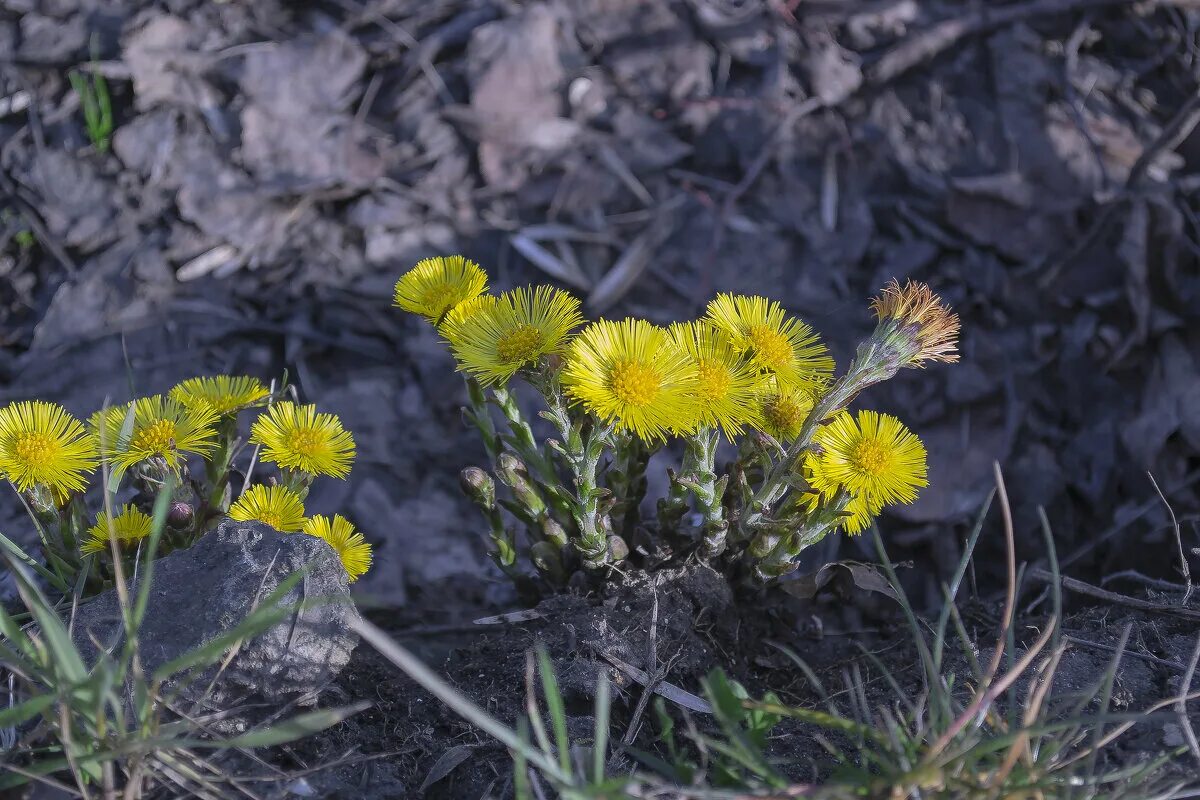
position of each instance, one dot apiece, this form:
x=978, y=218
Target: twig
x=1081, y=587
x=1183, y=562
x=1108, y=648
x=667, y=690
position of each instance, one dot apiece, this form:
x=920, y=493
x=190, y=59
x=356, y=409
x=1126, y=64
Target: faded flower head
x=632, y=374
x=130, y=525
x=224, y=394
x=42, y=445
x=727, y=382
x=924, y=329
x=782, y=346
x=275, y=506
x=353, y=550
x=299, y=438
x=491, y=341
x=151, y=427
x=436, y=285
x=873, y=456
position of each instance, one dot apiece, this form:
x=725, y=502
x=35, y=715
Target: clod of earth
x=205, y=591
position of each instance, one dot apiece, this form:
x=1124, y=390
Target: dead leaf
x=864, y=576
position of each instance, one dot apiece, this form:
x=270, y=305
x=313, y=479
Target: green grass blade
x=600, y=737
x=13, y=551
x=556, y=709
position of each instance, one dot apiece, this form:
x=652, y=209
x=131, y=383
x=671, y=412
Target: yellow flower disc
x=874, y=456
x=41, y=444
x=129, y=525
x=632, y=374
x=224, y=394
x=436, y=285
x=491, y=341
x=299, y=438
x=274, y=506
x=774, y=342
x=727, y=383
x=350, y=546
x=153, y=426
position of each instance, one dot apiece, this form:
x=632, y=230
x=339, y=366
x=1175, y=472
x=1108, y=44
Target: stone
x=210, y=588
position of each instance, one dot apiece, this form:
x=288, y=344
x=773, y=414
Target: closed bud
x=554, y=532
x=511, y=469
x=479, y=486
x=180, y=515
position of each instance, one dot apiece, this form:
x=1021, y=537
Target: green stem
x=582, y=454
x=526, y=446
x=710, y=492
x=480, y=416
x=777, y=552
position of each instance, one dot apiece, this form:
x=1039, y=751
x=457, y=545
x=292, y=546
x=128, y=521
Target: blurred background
x=200, y=187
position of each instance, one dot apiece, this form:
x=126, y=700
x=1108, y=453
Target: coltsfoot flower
x=874, y=457
x=129, y=525
x=775, y=343
x=783, y=410
x=436, y=285
x=338, y=533
x=491, y=341
x=224, y=394
x=160, y=427
x=727, y=382
x=632, y=374
x=299, y=438
x=276, y=506
x=41, y=444
x=922, y=328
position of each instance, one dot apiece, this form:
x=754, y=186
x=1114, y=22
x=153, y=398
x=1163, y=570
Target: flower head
x=632, y=374
x=922, y=328
x=338, y=533
x=493, y=340
x=276, y=506
x=129, y=525
x=775, y=343
x=469, y=308
x=873, y=456
x=299, y=438
x=153, y=426
x=41, y=444
x=436, y=285
x=727, y=383
x=783, y=411
x=224, y=394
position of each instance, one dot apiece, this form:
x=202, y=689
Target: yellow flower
x=338, y=533
x=436, y=285
x=860, y=511
x=783, y=411
x=632, y=374
x=41, y=444
x=224, y=394
x=728, y=384
x=156, y=426
x=468, y=308
x=298, y=438
x=927, y=329
x=129, y=525
x=276, y=506
x=491, y=341
x=874, y=456
x=776, y=343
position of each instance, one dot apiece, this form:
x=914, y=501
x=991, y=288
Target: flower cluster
x=746, y=373
x=152, y=444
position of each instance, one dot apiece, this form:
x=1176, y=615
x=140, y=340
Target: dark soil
x=275, y=166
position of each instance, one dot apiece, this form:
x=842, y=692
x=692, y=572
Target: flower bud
x=180, y=515
x=479, y=486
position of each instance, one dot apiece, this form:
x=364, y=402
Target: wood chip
x=668, y=690
x=510, y=617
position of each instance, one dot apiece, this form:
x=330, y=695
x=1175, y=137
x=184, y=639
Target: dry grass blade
x=621, y=278
x=1183, y=562
x=668, y=690
x=1185, y=722
x=549, y=263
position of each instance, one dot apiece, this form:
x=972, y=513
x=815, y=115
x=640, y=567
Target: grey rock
x=208, y=589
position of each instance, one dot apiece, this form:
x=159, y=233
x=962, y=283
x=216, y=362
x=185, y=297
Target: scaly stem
x=627, y=478
x=526, y=446
x=778, y=550
x=709, y=491
x=865, y=370
x=480, y=416
x=216, y=468
x=582, y=455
